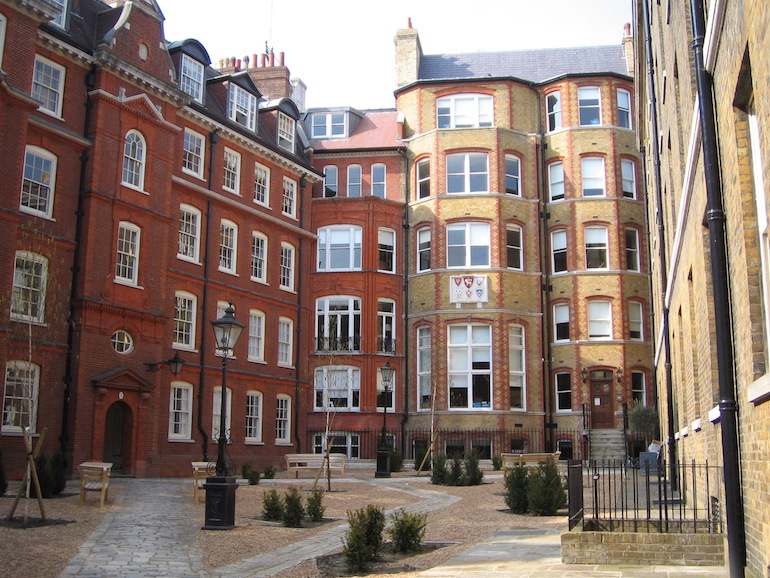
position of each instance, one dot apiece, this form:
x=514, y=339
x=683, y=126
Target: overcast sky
x=343, y=49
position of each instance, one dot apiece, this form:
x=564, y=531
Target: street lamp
x=176, y=364
x=220, y=489
x=383, y=448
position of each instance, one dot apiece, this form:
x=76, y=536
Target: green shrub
x=268, y=472
x=3, y=479
x=58, y=466
x=396, y=461
x=50, y=475
x=272, y=506
x=407, y=530
x=516, y=489
x=293, y=511
x=439, y=473
x=455, y=475
x=314, y=507
x=250, y=473
x=473, y=474
x=363, y=541
x=497, y=463
x=545, y=489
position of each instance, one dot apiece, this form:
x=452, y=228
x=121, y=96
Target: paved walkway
x=153, y=534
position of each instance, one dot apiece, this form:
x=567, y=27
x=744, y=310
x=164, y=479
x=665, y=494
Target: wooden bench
x=314, y=462
x=94, y=477
x=200, y=473
x=510, y=461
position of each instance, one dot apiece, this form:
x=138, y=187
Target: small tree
x=545, y=489
x=272, y=507
x=293, y=510
x=643, y=419
x=516, y=489
x=314, y=507
x=407, y=530
x=363, y=540
x=439, y=474
x=473, y=474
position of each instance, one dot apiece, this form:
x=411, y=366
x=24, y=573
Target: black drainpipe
x=404, y=295
x=715, y=219
x=64, y=436
x=669, y=380
x=545, y=290
x=213, y=139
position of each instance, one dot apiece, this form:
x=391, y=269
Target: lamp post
x=383, y=448
x=220, y=489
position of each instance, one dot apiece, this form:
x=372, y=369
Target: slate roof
x=532, y=65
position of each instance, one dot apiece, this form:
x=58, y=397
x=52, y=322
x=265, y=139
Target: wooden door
x=602, y=406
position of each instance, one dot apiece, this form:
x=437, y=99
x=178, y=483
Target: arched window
x=134, y=151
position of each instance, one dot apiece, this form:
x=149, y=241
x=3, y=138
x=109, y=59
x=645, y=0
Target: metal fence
x=616, y=496
x=414, y=443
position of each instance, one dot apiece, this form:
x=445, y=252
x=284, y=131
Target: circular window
x=122, y=342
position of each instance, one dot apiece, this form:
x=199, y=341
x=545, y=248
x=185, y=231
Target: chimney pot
x=261, y=60
x=280, y=58
x=272, y=58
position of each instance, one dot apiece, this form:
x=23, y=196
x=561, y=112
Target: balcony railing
x=386, y=345
x=338, y=344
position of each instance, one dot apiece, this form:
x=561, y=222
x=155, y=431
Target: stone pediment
x=122, y=378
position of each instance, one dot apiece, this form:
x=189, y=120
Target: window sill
x=125, y=283
x=759, y=391
x=188, y=259
x=192, y=174
x=181, y=440
x=253, y=442
x=134, y=188
x=284, y=444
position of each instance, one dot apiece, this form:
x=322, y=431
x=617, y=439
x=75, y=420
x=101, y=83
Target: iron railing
x=624, y=497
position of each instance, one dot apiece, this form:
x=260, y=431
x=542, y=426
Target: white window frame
x=25, y=376
x=424, y=369
x=289, y=199
x=328, y=125
x=639, y=386
x=189, y=240
x=561, y=320
x=599, y=314
x=134, y=160
x=556, y=181
x=185, y=316
x=464, y=111
x=513, y=175
x=597, y=252
x=628, y=178
x=261, y=184
x=624, y=108
x=517, y=366
x=61, y=18
x=256, y=336
x=231, y=171
x=28, y=294
x=337, y=242
x=422, y=175
x=282, y=419
x=386, y=326
x=563, y=391
x=465, y=175
x=242, y=107
x=193, y=153
x=589, y=100
x=635, y=321
x=254, y=404
x=355, y=181
x=3, y=28
x=331, y=181
x=386, y=247
x=593, y=177
x=553, y=110
x=286, y=131
x=287, y=268
x=423, y=247
x=39, y=178
x=633, y=254
x=476, y=236
x=127, y=253
x=191, y=77
x=338, y=323
x=514, y=248
x=228, y=247
x=559, y=249
x=48, y=81
x=285, y=342
x=180, y=411
x=216, y=413
x=259, y=245
x=338, y=388
x=469, y=344
x=379, y=180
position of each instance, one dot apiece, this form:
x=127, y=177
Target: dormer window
x=61, y=17
x=286, y=126
x=328, y=125
x=191, y=77
x=242, y=107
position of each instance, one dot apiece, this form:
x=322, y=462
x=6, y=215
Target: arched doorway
x=117, y=436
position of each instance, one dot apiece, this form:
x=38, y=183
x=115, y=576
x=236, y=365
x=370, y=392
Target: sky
x=343, y=50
